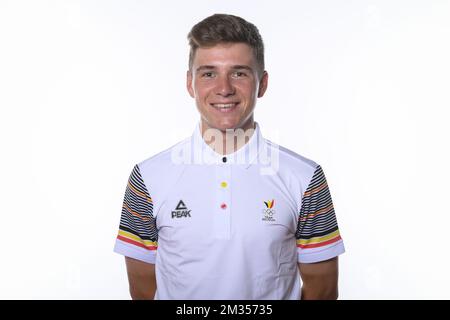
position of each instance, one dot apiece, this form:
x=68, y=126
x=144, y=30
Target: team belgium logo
x=268, y=212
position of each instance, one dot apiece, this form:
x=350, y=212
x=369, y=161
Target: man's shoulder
x=163, y=159
x=294, y=169
x=162, y=163
x=290, y=159
x=160, y=170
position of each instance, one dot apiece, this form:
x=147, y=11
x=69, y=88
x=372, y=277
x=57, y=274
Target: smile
x=224, y=106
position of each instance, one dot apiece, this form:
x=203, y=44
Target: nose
x=224, y=87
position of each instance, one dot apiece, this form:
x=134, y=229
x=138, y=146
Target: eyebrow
x=235, y=67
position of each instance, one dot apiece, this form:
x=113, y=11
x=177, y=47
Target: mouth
x=225, y=107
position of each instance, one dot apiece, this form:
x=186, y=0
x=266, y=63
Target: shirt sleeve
x=138, y=235
x=318, y=237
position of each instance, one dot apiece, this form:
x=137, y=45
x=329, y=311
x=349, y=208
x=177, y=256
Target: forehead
x=224, y=54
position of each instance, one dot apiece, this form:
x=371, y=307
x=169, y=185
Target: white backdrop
x=89, y=88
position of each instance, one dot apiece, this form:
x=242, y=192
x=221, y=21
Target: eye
x=207, y=75
x=239, y=74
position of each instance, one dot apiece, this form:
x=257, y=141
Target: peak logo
x=181, y=211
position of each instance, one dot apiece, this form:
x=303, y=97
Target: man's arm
x=141, y=278
x=320, y=280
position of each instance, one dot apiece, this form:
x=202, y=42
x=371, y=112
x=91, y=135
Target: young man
x=226, y=214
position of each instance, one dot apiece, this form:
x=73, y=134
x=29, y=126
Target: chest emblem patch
x=268, y=212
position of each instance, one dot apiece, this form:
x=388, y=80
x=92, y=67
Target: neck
x=229, y=140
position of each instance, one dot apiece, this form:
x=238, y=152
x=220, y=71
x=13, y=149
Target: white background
x=89, y=88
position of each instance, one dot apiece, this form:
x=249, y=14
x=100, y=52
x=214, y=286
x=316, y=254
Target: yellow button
x=223, y=184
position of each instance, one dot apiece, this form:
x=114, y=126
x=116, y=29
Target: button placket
x=222, y=210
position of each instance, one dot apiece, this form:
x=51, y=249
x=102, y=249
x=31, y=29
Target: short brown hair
x=220, y=28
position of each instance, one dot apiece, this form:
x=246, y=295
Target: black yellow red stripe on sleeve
x=317, y=224
x=137, y=224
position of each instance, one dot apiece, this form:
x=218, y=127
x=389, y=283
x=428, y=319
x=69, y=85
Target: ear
x=189, y=87
x=263, y=84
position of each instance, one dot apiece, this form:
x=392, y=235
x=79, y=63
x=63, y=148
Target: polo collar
x=245, y=156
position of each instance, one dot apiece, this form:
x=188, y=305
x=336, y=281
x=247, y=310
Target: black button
x=224, y=159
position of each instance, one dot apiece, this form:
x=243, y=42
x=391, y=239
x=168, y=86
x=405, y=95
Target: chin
x=227, y=126
x=224, y=125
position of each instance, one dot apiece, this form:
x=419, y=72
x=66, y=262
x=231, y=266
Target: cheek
x=202, y=92
x=247, y=89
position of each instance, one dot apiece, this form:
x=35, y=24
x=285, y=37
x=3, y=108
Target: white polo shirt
x=228, y=227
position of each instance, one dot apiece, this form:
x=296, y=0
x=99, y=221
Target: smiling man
x=225, y=81
x=206, y=219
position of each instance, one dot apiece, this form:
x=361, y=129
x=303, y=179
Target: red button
x=223, y=206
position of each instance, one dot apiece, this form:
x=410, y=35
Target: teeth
x=224, y=106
